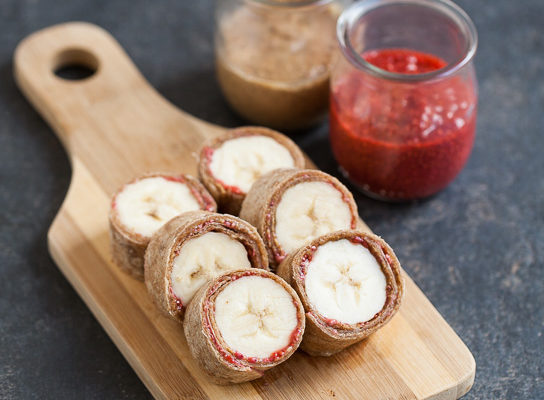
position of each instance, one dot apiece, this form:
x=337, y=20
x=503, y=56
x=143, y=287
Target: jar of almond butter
x=273, y=58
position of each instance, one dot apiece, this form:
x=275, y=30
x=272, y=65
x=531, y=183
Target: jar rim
x=291, y=3
x=355, y=11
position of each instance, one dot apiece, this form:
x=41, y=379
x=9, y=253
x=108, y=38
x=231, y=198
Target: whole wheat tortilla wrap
x=168, y=241
x=324, y=336
x=221, y=362
x=128, y=246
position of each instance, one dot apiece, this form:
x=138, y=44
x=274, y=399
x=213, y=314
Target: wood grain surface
x=115, y=126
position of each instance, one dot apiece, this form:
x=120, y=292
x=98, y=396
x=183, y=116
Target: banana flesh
x=202, y=259
x=344, y=282
x=308, y=210
x=256, y=316
x=147, y=204
x=240, y=162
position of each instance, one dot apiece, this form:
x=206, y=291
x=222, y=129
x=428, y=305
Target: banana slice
x=243, y=323
x=308, y=210
x=292, y=207
x=192, y=249
x=142, y=206
x=256, y=316
x=203, y=258
x=240, y=162
x=350, y=284
x=231, y=163
x=344, y=282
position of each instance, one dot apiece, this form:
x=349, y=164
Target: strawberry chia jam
x=402, y=121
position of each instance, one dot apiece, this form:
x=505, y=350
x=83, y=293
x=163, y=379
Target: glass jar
x=403, y=96
x=273, y=58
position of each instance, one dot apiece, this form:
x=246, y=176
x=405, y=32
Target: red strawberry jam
x=401, y=139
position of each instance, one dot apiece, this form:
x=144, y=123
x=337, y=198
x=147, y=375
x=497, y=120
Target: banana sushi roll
x=192, y=249
x=350, y=284
x=232, y=162
x=142, y=206
x=292, y=207
x=243, y=323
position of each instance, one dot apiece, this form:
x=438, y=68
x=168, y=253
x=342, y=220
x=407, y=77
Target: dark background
x=475, y=249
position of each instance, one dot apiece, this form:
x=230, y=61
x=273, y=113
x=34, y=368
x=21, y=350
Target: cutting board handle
x=61, y=102
x=113, y=121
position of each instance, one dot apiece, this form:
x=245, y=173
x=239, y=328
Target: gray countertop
x=475, y=249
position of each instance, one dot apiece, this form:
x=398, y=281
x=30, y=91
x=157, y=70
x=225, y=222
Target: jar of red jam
x=403, y=96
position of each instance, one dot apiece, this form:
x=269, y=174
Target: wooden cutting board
x=115, y=126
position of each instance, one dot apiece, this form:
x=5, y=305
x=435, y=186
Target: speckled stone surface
x=475, y=249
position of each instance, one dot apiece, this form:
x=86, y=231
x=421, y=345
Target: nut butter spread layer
x=273, y=64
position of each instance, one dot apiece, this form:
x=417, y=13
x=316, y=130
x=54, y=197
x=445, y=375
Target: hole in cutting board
x=75, y=65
